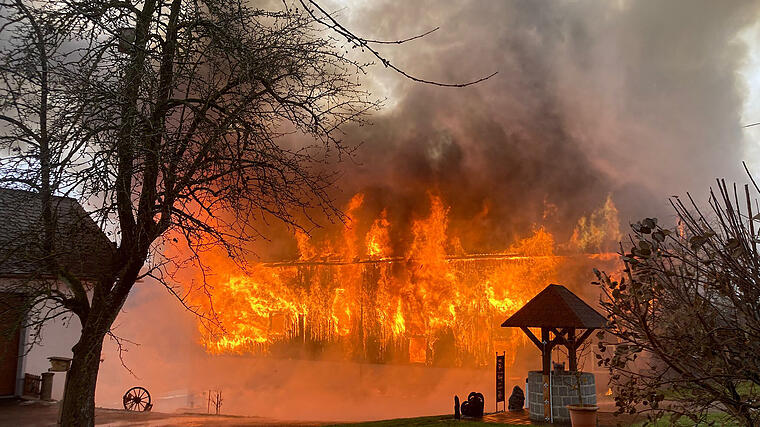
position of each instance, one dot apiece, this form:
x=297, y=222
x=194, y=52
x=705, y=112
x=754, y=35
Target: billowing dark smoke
x=638, y=99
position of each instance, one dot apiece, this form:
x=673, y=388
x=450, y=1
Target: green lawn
x=745, y=389
x=439, y=420
x=448, y=420
x=719, y=419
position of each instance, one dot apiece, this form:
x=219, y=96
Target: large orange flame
x=430, y=304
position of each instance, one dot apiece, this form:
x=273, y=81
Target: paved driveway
x=19, y=413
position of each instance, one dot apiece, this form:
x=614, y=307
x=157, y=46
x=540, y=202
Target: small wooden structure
x=564, y=319
x=560, y=312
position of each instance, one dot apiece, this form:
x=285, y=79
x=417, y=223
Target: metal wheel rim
x=136, y=399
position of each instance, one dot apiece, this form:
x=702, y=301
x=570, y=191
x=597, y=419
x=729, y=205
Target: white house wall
x=57, y=337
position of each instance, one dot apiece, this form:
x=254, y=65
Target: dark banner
x=500, y=385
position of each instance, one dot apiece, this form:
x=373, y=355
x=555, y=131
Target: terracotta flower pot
x=583, y=416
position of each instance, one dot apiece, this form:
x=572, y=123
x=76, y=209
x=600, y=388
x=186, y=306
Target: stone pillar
x=563, y=392
x=46, y=389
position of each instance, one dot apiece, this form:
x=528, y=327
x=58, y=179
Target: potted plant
x=582, y=414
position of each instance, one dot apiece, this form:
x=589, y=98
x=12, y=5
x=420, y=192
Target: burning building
x=589, y=101
x=358, y=295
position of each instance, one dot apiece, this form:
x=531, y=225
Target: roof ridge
x=556, y=306
x=36, y=193
x=85, y=248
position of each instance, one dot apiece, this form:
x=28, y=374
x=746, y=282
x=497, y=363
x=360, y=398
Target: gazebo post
x=546, y=351
x=571, y=350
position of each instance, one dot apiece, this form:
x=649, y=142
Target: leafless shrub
x=684, y=320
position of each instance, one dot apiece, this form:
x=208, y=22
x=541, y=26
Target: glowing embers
x=417, y=349
x=250, y=312
x=341, y=312
x=378, y=240
x=399, y=325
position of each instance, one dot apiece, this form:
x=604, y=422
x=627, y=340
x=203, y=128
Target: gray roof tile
x=80, y=245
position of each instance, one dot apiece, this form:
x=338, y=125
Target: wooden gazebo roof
x=559, y=313
x=556, y=307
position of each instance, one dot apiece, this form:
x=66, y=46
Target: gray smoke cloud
x=638, y=99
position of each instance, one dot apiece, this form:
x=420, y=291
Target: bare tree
x=684, y=321
x=166, y=116
x=215, y=400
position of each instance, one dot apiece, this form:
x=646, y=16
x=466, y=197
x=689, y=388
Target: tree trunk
x=79, y=398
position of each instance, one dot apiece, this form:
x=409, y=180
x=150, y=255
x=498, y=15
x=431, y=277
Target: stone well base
x=563, y=392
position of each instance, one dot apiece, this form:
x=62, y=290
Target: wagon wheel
x=137, y=399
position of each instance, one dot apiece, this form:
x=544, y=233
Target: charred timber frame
x=471, y=257
x=388, y=260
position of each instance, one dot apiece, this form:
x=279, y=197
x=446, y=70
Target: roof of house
x=556, y=307
x=80, y=245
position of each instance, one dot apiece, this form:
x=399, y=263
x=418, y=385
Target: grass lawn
x=718, y=418
x=744, y=388
x=439, y=420
x=448, y=420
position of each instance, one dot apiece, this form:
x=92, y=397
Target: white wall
x=57, y=337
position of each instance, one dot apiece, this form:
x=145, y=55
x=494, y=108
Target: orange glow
x=417, y=350
x=362, y=295
x=602, y=226
x=398, y=327
x=378, y=240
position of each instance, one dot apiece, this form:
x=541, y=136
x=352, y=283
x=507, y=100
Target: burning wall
x=567, y=120
x=358, y=295
x=627, y=98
